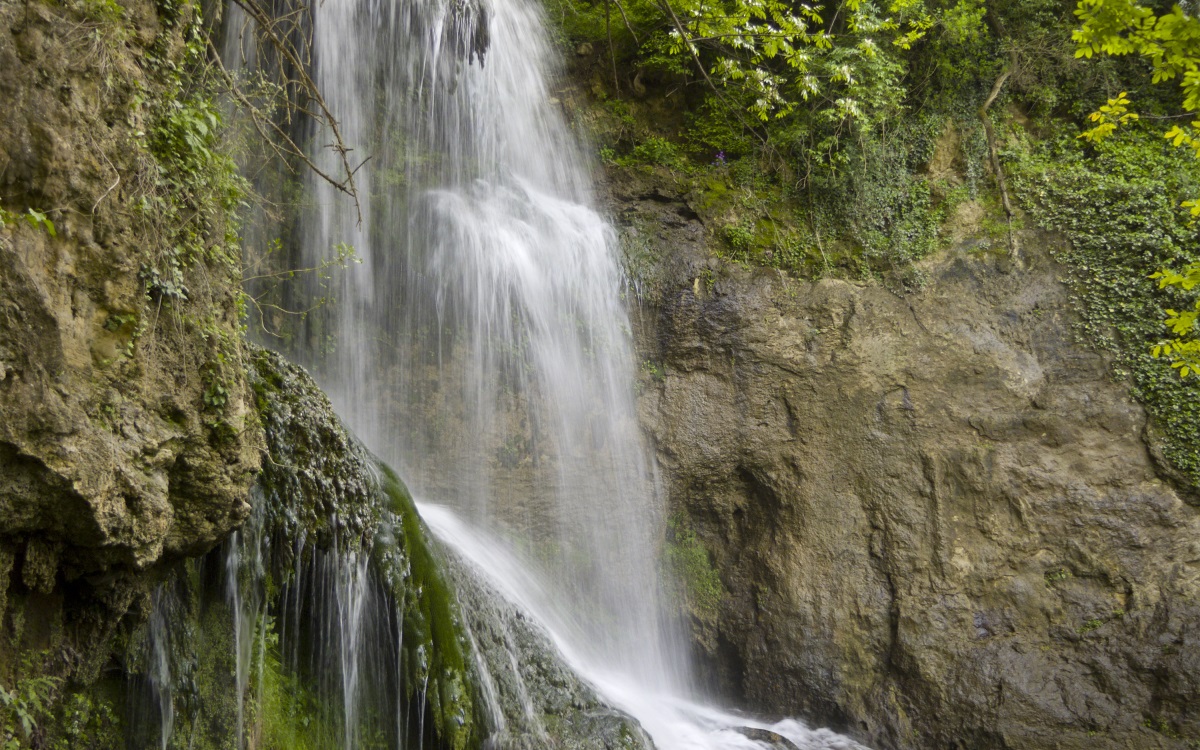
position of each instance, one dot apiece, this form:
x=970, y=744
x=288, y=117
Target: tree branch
x=992, y=152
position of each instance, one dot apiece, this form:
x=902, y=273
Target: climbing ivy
x=1183, y=350
x=1117, y=202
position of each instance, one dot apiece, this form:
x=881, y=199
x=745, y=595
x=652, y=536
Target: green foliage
x=1090, y=625
x=38, y=220
x=102, y=11
x=1116, y=202
x=1169, y=41
x=89, y=722
x=215, y=392
x=191, y=189
x=654, y=370
x=1184, y=349
x=223, y=366
x=1164, y=727
x=1108, y=117
x=780, y=55
x=33, y=217
x=27, y=704
x=654, y=151
x=886, y=209
x=740, y=237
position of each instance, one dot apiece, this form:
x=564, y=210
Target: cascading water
x=482, y=345
x=159, y=673
x=485, y=266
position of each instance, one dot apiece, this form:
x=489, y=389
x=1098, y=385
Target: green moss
x=699, y=588
x=315, y=473
x=287, y=713
x=313, y=466
x=435, y=648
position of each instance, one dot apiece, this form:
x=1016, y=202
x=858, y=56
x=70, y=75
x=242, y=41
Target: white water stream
x=482, y=347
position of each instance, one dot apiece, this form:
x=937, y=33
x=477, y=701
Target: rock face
x=935, y=515
x=114, y=448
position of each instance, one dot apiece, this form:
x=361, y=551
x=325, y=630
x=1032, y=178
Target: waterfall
x=483, y=348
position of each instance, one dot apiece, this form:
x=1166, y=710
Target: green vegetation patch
x=1118, y=203
x=435, y=647
x=687, y=560
x=288, y=714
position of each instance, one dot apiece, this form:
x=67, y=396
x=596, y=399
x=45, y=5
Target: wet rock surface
x=935, y=514
x=537, y=701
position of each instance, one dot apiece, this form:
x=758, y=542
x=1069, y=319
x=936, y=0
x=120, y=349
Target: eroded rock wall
x=115, y=450
x=934, y=515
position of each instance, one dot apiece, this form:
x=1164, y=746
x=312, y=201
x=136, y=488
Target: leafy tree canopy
x=1170, y=42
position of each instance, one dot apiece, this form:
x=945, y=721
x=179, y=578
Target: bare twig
x=110, y=187
x=263, y=122
x=992, y=152
x=302, y=80
x=625, y=18
x=612, y=55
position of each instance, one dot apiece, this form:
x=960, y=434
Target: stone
x=936, y=515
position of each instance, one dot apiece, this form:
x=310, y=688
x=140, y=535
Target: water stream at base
x=674, y=722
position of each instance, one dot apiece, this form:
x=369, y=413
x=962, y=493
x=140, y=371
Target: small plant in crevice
x=27, y=704
x=1053, y=577
x=216, y=394
x=39, y=220
x=654, y=370
x=739, y=237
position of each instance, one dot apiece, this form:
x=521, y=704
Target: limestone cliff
x=934, y=514
x=126, y=431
